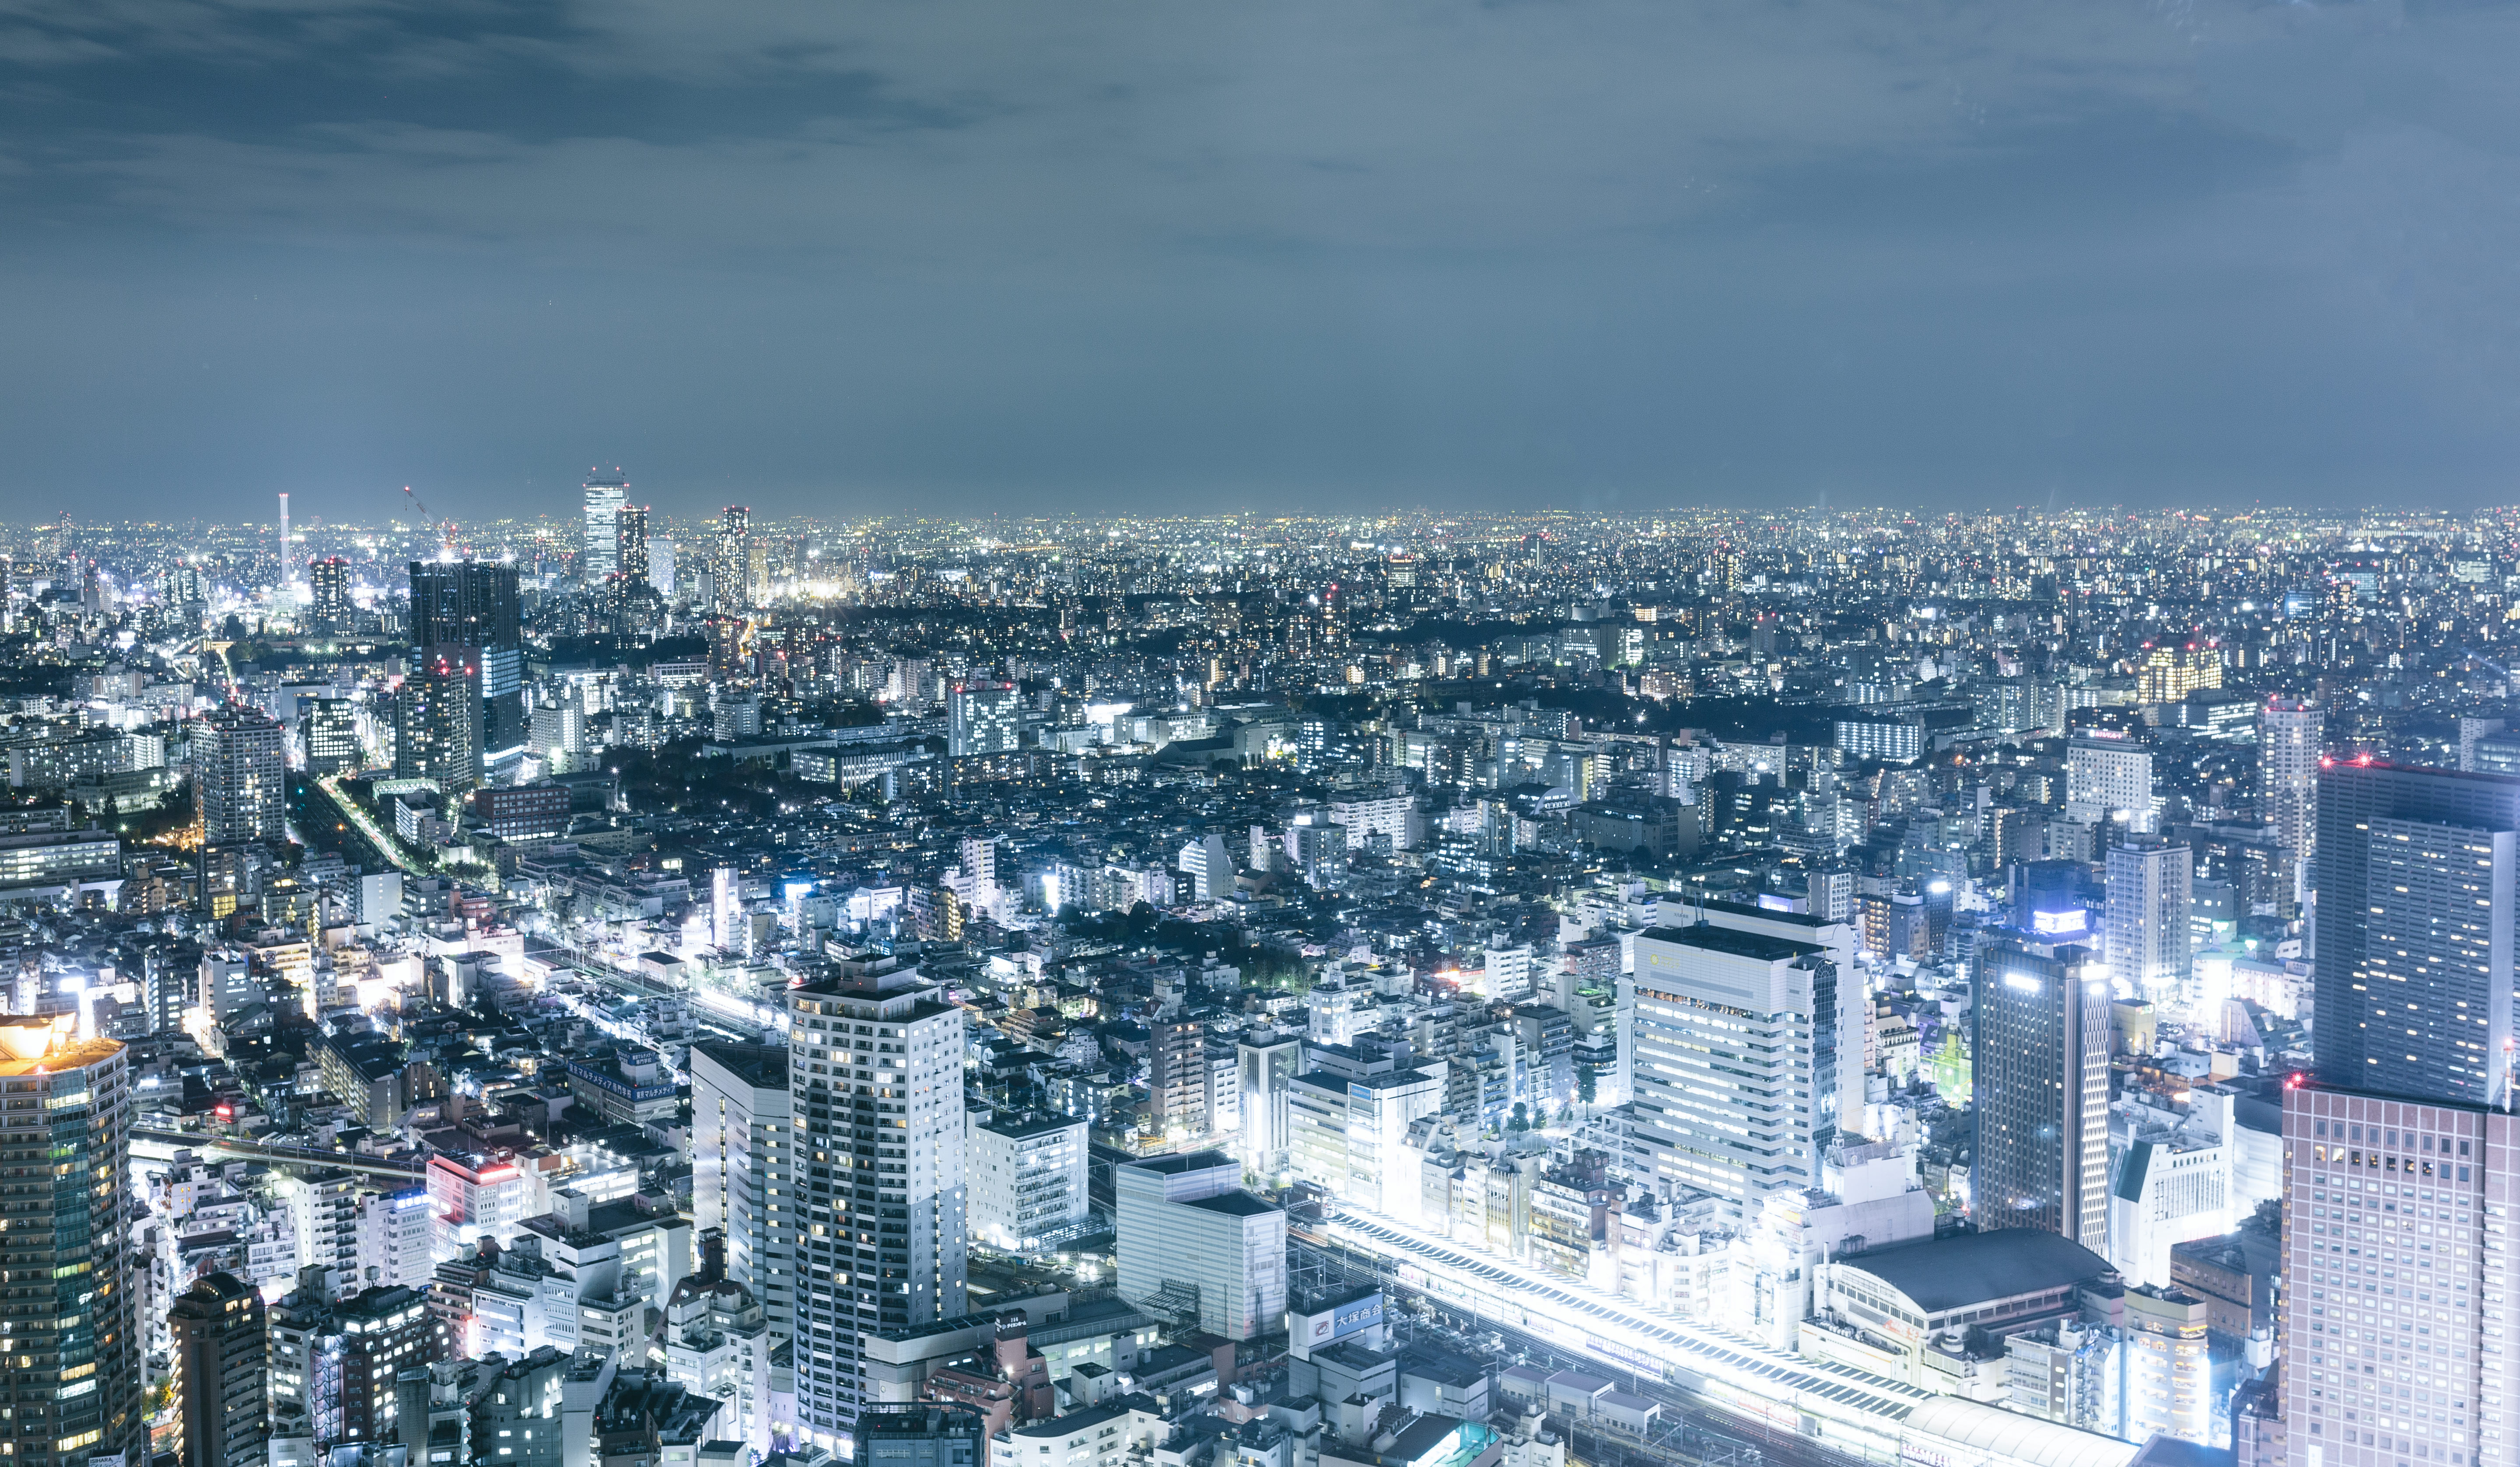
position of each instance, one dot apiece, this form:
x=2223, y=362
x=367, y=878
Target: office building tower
x=66, y=1237
x=328, y=580
x=874, y=1076
x=2415, y=896
x=2040, y=1047
x=743, y=1170
x=1191, y=1241
x=2399, y=1279
x=2289, y=736
x=2145, y=920
x=328, y=730
x=240, y=779
x=660, y=566
x=438, y=720
x=922, y=1435
x=730, y=566
x=219, y=1364
x=472, y=605
x=1724, y=1041
x=630, y=542
x=1269, y=1062
x=187, y=597
x=604, y=496
x=333, y=1361
x=984, y=718
x=2108, y=780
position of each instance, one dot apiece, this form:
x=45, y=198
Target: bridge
x=162, y=1146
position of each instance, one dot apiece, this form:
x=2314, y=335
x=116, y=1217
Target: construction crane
x=448, y=537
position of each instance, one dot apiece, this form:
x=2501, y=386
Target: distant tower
x=605, y=494
x=2288, y=741
x=284, y=542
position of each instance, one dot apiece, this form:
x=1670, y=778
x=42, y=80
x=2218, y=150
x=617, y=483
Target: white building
x=743, y=1161
x=1347, y=1123
x=324, y=1214
x=2146, y=921
x=2108, y=780
x=393, y=1237
x=1027, y=1179
x=1725, y=1044
x=472, y=1198
x=1188, y=1231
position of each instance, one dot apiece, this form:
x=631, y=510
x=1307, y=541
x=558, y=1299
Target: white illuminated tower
x=874, y=1082
x=605, y=494
x=2288, y=742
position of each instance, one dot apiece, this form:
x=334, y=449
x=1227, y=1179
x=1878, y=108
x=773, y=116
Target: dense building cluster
x=624, y=992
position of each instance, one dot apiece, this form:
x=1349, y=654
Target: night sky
x=851, y=257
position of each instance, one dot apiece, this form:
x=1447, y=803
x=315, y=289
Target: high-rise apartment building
x=1177, y=1077
x=2040, y=1044
x=2145, y=920
x=65, y=1251
x=2415, y=931
x=240, y=779
x=875, y=1080
x=984, y=718
x=2108, y=780
x=472, y=605
x=2289, y=735
x=220, y=1364
x=438, y=720
x=630, y=542
x=328, y=580
x=605, y=493
x=730, y=567
x=2400, y=1289
x=1724, y=1043
x=743, y=1170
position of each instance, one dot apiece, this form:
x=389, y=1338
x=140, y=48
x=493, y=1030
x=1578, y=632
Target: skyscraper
x=875, y=1074
x=239, y=781
x=984, y=718
x=328, y=579
x=2145, y=921
x=630, y=542
x=221, y=1362
x=74, y=1318
x=2041, y=1055
x=438, y=720
x=742, y=1159
x=731, y=565
x=2289, y=735
x=1723, y=1055
x=2399, y=1280
x=472, y=605
x=2415, y=928
x=604, y=496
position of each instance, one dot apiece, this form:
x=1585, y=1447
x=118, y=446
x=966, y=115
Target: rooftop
x=1757, y=946
x=1975, y=1267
